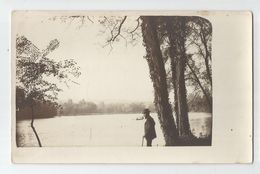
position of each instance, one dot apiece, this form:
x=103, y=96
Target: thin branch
x=113, y=38
x=82, y=22
x=111, y=48
x=137, y=26
x=200, y=85
x=75, y=82
x=124, y=39
x=90, y=20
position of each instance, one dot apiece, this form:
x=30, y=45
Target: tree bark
x=33, y=128
x=176, y=33
x=158, y=76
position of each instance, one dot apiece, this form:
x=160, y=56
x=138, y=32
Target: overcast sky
x=121, y=75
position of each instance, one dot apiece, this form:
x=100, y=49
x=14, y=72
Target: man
x=149, y=130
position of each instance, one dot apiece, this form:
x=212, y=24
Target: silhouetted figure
x=149, y=130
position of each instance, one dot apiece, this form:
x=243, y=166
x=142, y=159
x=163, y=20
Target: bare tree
x=199, y=37
x=198, y=81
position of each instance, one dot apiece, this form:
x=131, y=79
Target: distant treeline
x=196, y=103
x=86, y=108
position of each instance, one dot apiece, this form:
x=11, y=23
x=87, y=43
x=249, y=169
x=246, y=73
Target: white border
x=5, y=133
x=232, y=100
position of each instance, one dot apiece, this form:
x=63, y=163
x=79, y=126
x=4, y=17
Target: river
x=99, y=130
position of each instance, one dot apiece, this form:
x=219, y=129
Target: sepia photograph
x=117, y=80
x=114, y=81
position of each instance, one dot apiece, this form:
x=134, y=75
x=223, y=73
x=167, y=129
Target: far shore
x=97, y=114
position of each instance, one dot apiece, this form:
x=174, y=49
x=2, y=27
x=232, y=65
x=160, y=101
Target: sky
x=116, y=75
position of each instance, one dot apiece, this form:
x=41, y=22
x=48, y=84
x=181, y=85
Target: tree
x=204, y=33
x=176, y=36
x=198, y=81
x=176, y=32
x=35, y=74
x=43, y=109
x=158, y=76
x=199, y=38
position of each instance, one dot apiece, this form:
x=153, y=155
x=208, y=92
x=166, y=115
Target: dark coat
x=149, y=130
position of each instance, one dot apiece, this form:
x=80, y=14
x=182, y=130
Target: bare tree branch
x=90, y=20
x=124, y=39
x=113, y=38
x=137, y=26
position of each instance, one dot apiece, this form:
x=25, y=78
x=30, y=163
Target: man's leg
x=149, y=142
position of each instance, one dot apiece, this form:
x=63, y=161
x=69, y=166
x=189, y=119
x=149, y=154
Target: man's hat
x=145, y=111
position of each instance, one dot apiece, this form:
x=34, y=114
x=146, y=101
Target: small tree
x=38, y=75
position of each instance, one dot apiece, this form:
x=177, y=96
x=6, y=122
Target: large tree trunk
x=175, y=27
x=33, y=128
x=158, y=77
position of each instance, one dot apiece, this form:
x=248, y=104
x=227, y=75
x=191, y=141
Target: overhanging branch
x=113, y=38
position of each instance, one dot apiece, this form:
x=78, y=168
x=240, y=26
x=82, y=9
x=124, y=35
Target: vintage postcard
x=131, y=87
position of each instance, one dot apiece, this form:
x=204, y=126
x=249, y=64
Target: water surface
x=99, y=130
